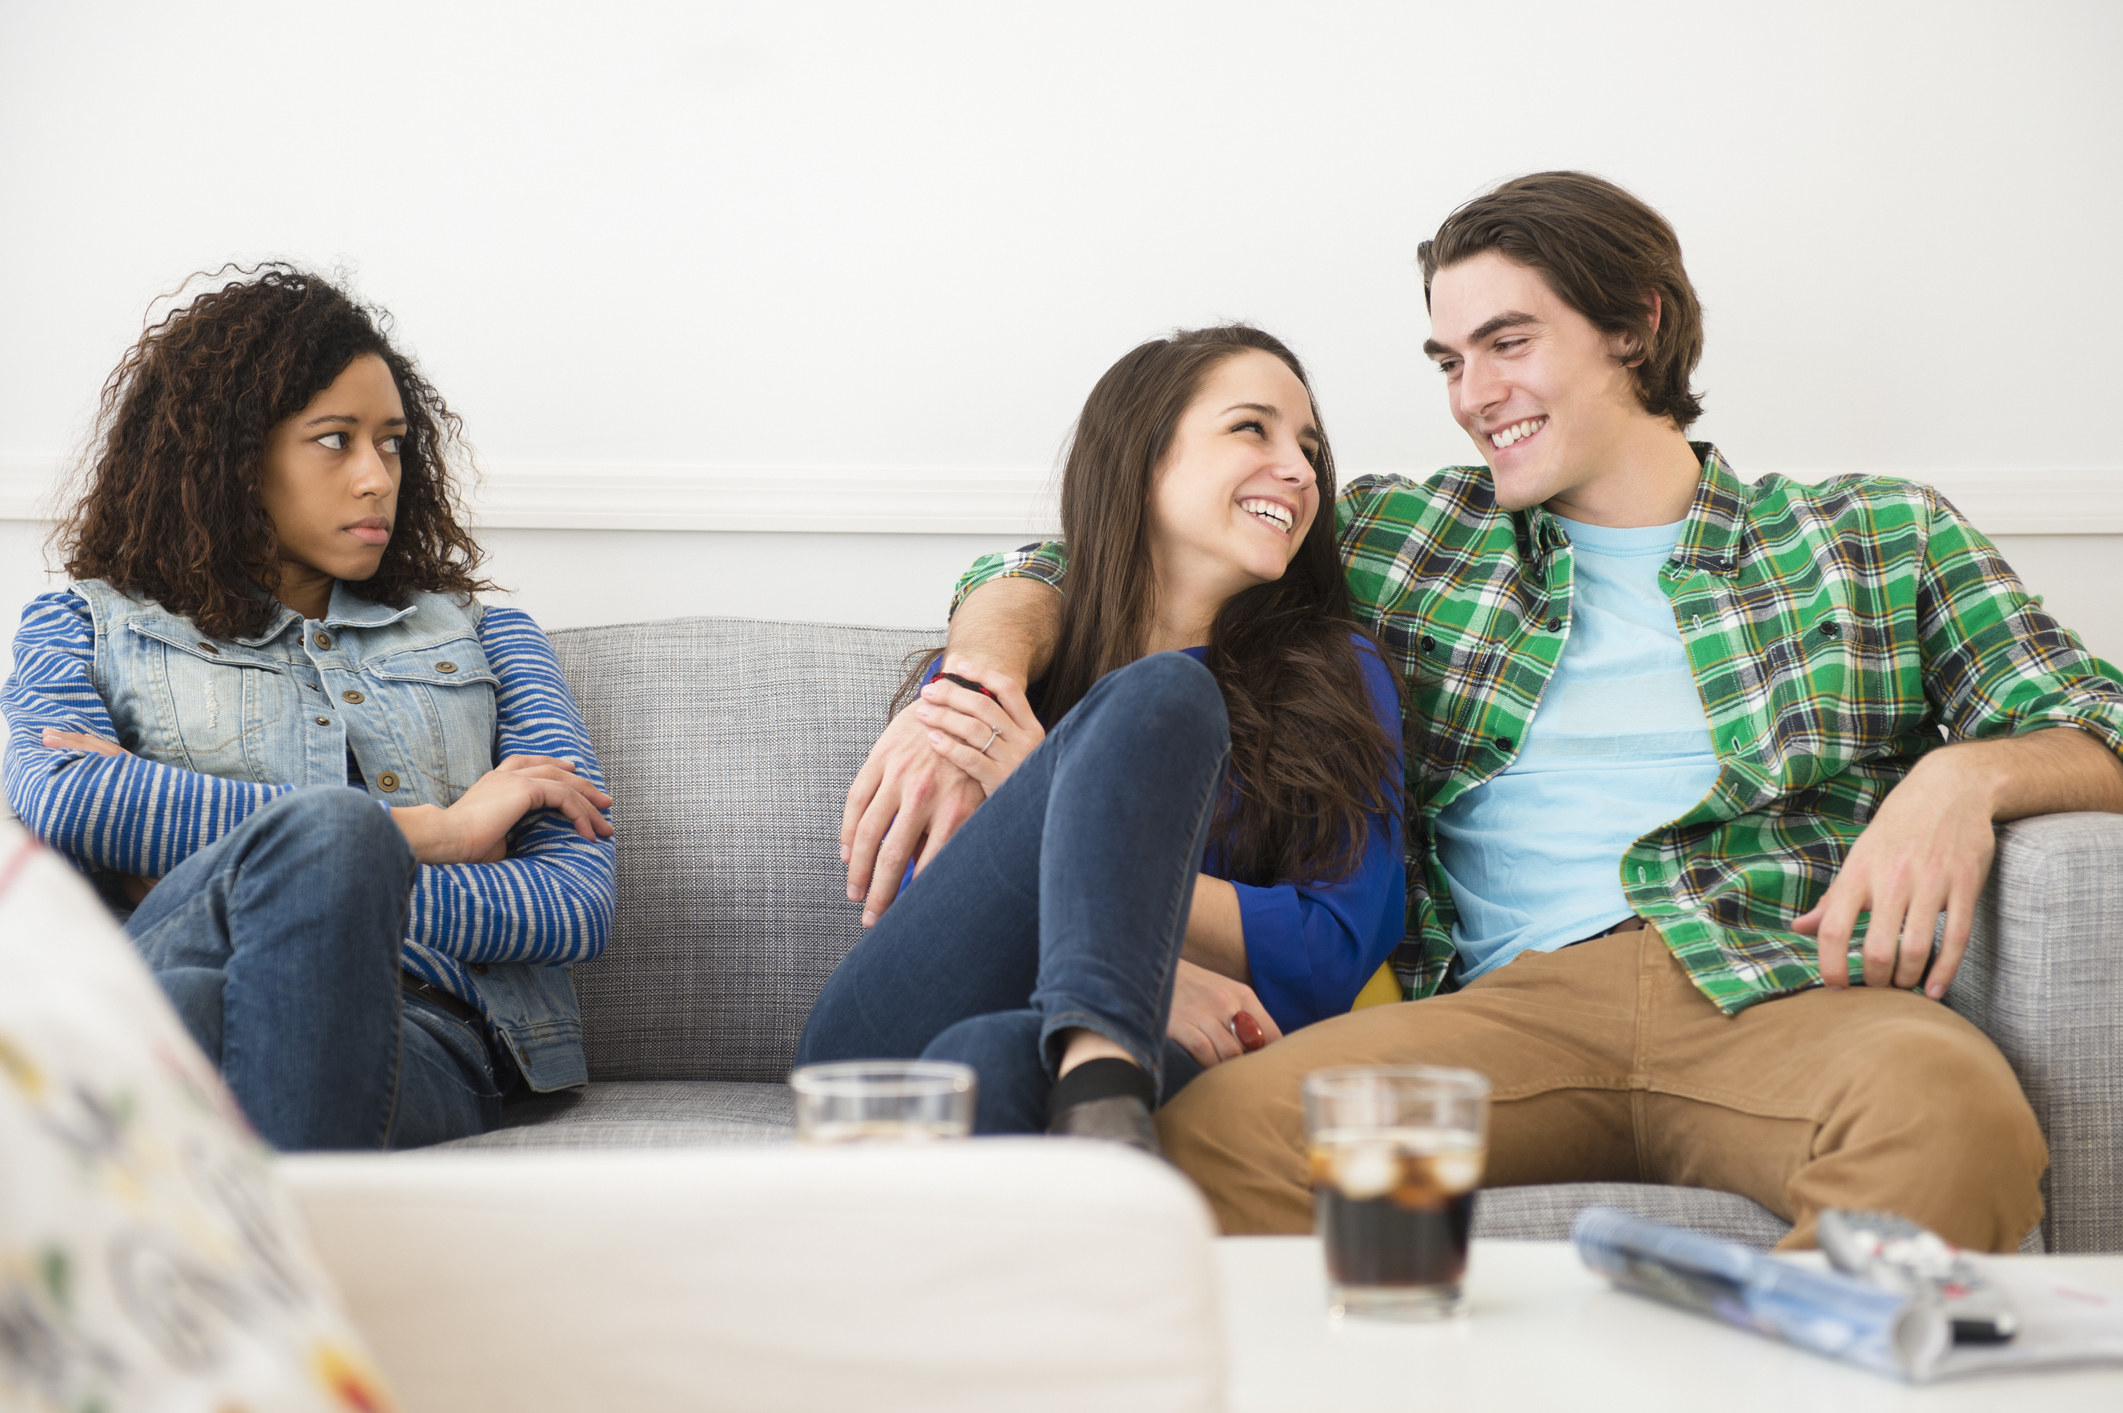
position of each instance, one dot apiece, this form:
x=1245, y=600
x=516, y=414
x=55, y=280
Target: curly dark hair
x=169, y=506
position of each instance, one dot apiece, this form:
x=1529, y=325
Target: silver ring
x=991, y=739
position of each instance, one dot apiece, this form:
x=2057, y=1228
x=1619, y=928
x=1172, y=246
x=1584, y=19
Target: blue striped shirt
x=550, y=901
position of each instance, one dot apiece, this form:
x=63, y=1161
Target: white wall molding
x=938, y=501
x=545, y=496
x=816, y=500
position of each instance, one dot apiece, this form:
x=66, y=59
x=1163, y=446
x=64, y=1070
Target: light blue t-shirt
x=1618, y=746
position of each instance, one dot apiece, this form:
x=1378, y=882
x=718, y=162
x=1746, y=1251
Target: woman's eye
x=333, y=441
x=1253, y=427
x=392, y=445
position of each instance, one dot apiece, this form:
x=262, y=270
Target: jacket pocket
x=221, y=701
x=1839, y=691
x=450, y=687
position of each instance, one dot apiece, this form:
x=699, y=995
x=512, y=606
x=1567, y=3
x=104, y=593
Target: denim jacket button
x=445, y=667
x=352, y=696
x=387, y=782
x=324, y=642
x=324, y=721
x=479, y=968
x=210, y=648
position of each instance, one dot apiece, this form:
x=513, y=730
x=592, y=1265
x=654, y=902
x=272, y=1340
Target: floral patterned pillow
x=149, y=1256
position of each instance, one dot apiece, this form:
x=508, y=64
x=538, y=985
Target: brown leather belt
x=1632, y=923
x=442, y=1000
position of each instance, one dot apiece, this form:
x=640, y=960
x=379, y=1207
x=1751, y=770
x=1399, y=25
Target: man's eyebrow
x=1509, y=319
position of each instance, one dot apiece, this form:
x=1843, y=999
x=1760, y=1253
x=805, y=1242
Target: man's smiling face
x=1546, y=396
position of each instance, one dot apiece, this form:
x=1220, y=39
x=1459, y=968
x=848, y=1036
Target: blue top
x=1619, y=746
x=549, y=902
x=1311, y=946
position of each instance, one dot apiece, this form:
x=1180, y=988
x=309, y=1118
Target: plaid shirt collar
x=1711, y=535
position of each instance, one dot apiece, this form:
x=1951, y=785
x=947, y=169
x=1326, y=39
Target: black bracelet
x=969, y=684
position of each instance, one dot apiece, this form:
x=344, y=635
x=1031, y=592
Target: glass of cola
x=1396, y=1154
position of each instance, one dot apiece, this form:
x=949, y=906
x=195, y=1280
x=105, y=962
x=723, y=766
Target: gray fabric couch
x=729, y=745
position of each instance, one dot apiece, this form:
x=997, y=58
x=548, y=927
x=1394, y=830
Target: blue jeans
x=278, y=944
x=1061, y=903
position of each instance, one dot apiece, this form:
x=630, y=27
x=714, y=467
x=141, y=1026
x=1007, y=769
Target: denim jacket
x=408, y=692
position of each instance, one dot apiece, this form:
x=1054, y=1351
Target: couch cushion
x=728, y=745
x=686, y=1113
x=1545, y=1213
x=672, y=1113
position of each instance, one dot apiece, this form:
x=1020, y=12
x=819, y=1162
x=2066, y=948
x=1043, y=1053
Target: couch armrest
x=929, y=1278
x=2044, y=980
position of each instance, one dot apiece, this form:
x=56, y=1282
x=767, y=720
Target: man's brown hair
x=1604, y=253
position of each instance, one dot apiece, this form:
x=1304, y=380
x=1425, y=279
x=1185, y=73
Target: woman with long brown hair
x=1192, y=837
x=350, y=812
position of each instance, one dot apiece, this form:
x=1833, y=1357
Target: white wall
x=742, y=246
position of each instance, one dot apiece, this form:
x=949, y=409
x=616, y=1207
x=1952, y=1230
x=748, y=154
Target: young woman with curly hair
x=352, y=811
x=1191, y=841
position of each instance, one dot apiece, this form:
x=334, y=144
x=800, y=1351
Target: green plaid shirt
x=1836, y=633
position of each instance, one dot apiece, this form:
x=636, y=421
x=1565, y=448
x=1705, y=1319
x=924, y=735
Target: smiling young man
x=1685, y=738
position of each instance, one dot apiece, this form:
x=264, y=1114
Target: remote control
x=1895, y=1252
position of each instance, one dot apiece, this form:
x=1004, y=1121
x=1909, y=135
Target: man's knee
x=1949, y=1076
x=1943, y=1110
x=1238, y=1131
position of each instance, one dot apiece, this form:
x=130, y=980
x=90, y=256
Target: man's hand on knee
x=906, y=803
x=1927, y=851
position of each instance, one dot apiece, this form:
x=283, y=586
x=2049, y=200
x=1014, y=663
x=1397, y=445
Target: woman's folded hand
x=476, y=828
x=1203, y=1005
x=987, y=735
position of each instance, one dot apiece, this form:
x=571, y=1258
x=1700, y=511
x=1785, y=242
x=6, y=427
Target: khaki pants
x=1609, y=1066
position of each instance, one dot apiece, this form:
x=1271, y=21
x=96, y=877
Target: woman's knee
x=1168, y=696
x=333, y=821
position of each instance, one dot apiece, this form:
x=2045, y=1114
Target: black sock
x=1101, y=1079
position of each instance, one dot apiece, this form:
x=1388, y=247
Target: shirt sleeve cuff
x=1275, y=952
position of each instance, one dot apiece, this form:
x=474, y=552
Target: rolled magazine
x=1908, y=1337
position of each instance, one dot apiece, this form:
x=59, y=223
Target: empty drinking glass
x=890, y=1101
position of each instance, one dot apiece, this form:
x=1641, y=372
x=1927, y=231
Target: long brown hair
x=1309, y=758
x=169, y=507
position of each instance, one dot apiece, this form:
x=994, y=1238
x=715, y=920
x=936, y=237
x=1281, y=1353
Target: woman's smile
x=1277, y=515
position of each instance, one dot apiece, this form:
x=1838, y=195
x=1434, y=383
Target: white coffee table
x=1547, y=1334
